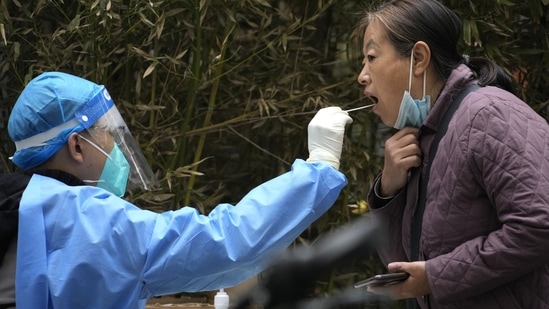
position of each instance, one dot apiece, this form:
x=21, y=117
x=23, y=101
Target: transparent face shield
x=101, y=119
x=111, y=126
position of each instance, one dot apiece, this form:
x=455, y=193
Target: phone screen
x=384, y=279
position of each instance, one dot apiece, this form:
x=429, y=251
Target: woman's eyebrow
x=370, y=43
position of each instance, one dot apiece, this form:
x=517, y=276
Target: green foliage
x=514, y=34
x=219, y=92
x=218, y=95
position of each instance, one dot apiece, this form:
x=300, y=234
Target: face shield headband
x=37, y=149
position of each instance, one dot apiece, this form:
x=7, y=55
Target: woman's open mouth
x=371, y=97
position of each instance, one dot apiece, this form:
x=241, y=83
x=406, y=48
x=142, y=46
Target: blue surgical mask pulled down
x=116, y=171
x=412, y=111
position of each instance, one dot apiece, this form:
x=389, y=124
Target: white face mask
x=412, y=112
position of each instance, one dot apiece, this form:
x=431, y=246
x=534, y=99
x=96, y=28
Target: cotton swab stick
x=358, y=108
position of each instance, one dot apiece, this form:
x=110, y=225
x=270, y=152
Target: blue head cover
x=51, y=107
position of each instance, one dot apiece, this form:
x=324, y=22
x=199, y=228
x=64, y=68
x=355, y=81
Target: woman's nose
x=363, y=77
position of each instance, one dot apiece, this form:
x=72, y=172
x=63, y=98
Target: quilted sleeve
x=507, y=147
x=388, y=216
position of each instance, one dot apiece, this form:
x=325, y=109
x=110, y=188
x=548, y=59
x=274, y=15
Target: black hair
x=409, y=21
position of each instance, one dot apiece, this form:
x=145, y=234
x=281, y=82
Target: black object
x=285, y=283
x=383, y=279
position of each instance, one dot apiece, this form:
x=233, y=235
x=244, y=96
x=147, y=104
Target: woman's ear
x=75, y=149
x=422, y=58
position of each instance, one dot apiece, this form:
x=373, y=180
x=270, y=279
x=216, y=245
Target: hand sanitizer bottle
x=221, y=300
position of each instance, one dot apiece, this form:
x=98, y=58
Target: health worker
x=70, y=241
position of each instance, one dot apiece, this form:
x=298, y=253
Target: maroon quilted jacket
x=485, y=232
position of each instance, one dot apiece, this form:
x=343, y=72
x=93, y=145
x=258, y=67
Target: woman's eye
x=370, y=57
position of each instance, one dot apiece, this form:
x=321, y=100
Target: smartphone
x=382, y=280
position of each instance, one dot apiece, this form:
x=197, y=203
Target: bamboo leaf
x=145, y=20
x=75, y=23
x=142, y=53
x=174, y=12
x=506, y=2
x=150, y=69
x=3, y=33
x=160, y=27
x=264, y=3
x=16, y=50
x=467, y=32
x=475, y=35
x=94, y=4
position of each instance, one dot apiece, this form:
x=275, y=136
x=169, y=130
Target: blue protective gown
x=82, y=247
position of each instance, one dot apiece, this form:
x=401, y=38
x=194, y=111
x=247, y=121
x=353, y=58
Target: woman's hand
x=402, y=152
x=416, y=285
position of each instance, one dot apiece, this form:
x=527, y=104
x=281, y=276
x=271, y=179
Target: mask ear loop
x=411, y=67
x=100, y=150
x=410, y=77
x=424, y=83
x=96, y=147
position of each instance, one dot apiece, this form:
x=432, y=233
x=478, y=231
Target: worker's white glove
x=326, y=131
